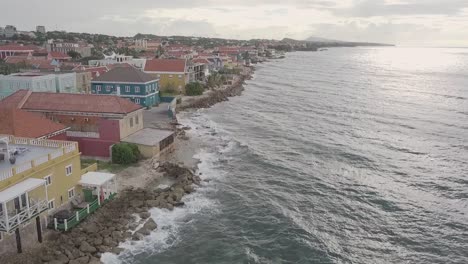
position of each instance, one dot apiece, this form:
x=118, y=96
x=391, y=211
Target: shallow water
x=346, y=156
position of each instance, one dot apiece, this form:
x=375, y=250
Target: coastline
x=154, y=183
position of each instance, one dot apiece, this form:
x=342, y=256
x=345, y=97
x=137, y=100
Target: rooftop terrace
x=30, y=153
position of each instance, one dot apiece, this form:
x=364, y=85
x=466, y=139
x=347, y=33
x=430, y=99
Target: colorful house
x=129, y=83
x=38, y=178
x=96, y=122
x=173, y=74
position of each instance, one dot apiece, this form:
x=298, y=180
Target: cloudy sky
x=403, y=22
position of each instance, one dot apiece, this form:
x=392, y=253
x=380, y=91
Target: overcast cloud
x=403, y=22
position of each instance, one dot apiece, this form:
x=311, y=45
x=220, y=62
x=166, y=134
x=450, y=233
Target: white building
x=38, y=82
x=116, y=59
x=65, y=47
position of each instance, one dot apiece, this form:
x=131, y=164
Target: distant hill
x=317, y=39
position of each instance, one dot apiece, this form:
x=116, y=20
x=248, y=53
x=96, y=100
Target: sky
x=401, y=22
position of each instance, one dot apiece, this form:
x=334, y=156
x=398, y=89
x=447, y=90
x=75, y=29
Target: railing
x=23, y=167
x=81, y=214
x=83, y=134
x=22, y=217
x=5, y=174
x=39, y=142
x=41, y=160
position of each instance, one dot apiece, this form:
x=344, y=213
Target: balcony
x=21, y=203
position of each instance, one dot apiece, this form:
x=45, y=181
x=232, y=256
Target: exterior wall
x=83, y=82
x=176, y=81
x=129, y=124
x=66, y=82
x=11, y=83
x=93, y=147
x=144, y=94
x=109, y=129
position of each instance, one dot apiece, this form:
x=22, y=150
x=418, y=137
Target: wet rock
x=188, y=189
x=152, y=203
x=87, y=248
x=179, y=204
x=117, y=250
x=145, y=215
x=81, y=260
x=150, y=224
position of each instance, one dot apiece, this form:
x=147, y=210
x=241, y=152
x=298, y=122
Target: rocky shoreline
x=125, y=218
x=221, y=95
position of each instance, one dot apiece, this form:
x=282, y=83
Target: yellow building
x=173, y=74
x=37, y=178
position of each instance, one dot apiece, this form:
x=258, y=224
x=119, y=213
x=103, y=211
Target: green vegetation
x=194, y=88
x=125, y=153
x=74, y=55
x=7, y=69
x=226, y=70
x=215, y=80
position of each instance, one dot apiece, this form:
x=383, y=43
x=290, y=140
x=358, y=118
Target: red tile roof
x=87, y=103
x=15, y=100
x=59, y=55
x=21, y=123
x=165, y=65
x=16, y=47
x=203, y=61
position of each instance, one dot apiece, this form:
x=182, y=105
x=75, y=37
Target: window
x=51, y=204
x=137, y=100
x=131, y=120
x=136, y=120
x=68, y=170
x=1, y=236
x=159, y=75
x=48, y=180
x=98, y=88
x=146, y=88
x=180, y=76
x=127, y=89
x=170, y=76
x=71, y=193
x=108, y=88
x=137, y=89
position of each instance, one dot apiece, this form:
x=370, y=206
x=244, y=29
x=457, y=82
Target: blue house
x=128, y=82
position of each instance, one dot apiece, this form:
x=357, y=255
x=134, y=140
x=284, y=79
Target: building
x=38, y=178
x=15, y=50
x=83, y=49
x=130, y=83
x=40, y=29
x=118, y=59
x=173, y=74
x=9, y=31
x=152, y=142
x=38, y=82
x=96, y=122
x=2, y=32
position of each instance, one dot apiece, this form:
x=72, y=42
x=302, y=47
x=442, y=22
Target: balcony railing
x=10, y=222
x=83, y=134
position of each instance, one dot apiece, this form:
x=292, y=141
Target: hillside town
x=78, y=109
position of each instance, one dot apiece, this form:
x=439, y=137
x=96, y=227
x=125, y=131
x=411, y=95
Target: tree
x=125, y=153
x=74, y=54
x=194, y=88
x=215, y=80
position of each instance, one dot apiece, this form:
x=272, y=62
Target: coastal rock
x=150, y=225
x=82, y=260
x=152, y=203
x=145, y=215
x=109, y=242
x=87, y=248
x=179, y=204
x=136, y=203
x=188, y=188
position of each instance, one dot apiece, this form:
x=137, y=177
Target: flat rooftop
x=26, y=154
x=148, y=136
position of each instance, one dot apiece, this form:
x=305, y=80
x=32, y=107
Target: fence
x=81, y=214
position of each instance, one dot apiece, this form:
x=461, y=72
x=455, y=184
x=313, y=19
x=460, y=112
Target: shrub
x=124, y=153
x=194, y=88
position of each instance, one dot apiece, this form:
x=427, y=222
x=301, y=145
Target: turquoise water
x=345, y=156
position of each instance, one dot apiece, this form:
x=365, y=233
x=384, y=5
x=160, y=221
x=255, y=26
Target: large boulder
x=145, y=215
x=87, y=248
x=188, y=188
x=91, y=228
x=137, y=203
x=82, y=260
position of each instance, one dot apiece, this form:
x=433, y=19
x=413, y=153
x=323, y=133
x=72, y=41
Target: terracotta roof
x=21, y=123
x=16, y=47
x=165, y=65
x=88, y=103
x=203, y=61
x=125, y=74
x=59, y=55
x=14, y=100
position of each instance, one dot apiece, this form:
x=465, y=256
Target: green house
x=128, y=82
